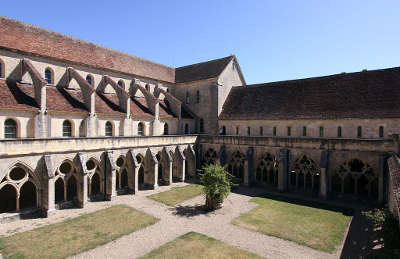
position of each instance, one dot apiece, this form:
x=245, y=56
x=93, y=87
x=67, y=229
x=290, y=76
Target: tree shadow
x=190, y=210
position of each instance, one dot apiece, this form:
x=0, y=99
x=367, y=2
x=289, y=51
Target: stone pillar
x=41, y=125
x=382, y=162
x=246, y=173
x=199, y=156
x=110, y=172
x=91, y=130
x=170, y=167
x=222, y=155
x=155, y=179
x=82, y=191
x=47, y=198
x=323, y=180
x=249, y=166
x=283, y=170
x=183, y=171
x=133, y=179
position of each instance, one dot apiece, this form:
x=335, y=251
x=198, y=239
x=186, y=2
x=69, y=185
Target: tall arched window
x=90, y=80
x=121, y=83
x=339, y=132
x=48, y=76
x=198, y=96
x=274, y=131
x=304, y=131
x=186, y=128
x=237, y=130
x=147, y=87
x=82, y=129
x=222, y=131
x=289, y=131
x=187, y=97
x=67, y=129
x=248, y=131
x=201, y=126
x=261, y=131
x=140, y=129
x=109, y=129
x=381, y=132
x=2, y=69
x=321, y=132
x=359, y=132
x=10, y=128
x=166, y=129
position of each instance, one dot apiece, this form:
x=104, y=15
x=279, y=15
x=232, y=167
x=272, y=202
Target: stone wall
x=394, y=187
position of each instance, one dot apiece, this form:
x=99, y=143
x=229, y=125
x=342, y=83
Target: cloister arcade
x=81, y=177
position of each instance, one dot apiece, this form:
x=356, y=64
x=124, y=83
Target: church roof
x=27, y=38
x=367, y=94
x=200, y=71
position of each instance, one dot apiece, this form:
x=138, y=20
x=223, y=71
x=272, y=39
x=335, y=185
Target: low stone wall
x=394, y=187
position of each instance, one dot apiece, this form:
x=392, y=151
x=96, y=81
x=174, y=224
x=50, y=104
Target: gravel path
x=176, y=221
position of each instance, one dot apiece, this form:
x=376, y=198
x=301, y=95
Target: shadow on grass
x=190, y=210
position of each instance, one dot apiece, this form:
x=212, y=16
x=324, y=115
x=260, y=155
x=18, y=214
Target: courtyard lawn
x=178, y=194
x=76, y=235
x=193, y=245
x=313, y=226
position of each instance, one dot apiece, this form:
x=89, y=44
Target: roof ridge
x=205, y=62
x=317, y=77
x=29, y=25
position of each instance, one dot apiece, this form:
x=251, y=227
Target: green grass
x=76, y=235
x=178, y=194
x=313, y=226
x=193, y=245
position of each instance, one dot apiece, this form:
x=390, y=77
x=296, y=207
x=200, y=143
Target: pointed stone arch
x=210, y=157
x=88, y=91
x=267, y=170
x=305, y=174
x=190, y=165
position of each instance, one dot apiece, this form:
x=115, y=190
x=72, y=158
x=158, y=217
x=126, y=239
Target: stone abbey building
x=81, y=122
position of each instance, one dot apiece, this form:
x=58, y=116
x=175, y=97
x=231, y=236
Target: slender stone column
x=246, y=173
x=82, y=190
x=110, y=172
x=283, y=170
x=170, y=167
x=249, y=166
x=47, y=193
x=323, y=181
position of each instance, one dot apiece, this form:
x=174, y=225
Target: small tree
x=217, y=185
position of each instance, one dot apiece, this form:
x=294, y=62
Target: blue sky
x=273, y=40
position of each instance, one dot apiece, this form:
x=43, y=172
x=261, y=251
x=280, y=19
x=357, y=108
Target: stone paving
x=176, y=221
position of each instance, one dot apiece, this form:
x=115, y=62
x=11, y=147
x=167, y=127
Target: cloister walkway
x=176, y=221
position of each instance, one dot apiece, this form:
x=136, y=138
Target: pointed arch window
x=90, y=80
x=274, y=131
x=48, y=76
x=147, y=87
x=381, y=132
x=339, y=132
x=321, y=132
x=289, y=131
x=359, y=132
x=67, y=129
x=109, y=129
x=198, y=96
x=166, y=129
x=237, y=130
x=201, y=126
x=10, y=128
x=187, y=97
x=2, y=69
x=186, y=128
x=261, y=131
x=248, y=131
x=140, y=129
x=121, y=84
x=304, y=131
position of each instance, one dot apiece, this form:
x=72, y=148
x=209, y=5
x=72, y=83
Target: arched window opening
x=339, y=132
x=67, y=129
x=261, y=131
x=187, y=98
x=95, y=185
x=289, y=131
x=274, y=131
x=124, y=179
x=201, y=126
x=147, y=87
x=167, y=90
x=10, y=128
x=121, y=84
x=198, y=96
x=2, y=69
x=237, y=130
x=8, y=197
x=321, y=132
x=59, y=190
x=306, y=174
x=304, y=131
x=140, y=129
x=82, y=129
x=248, y=131
x=27, y=198
x=186, y=128
x=109, y=129
x=141, y=178
x=71, y=189
x=359, y=132
x=166, y=129
x=90, y=80
x=48, y=76
x=381, y=132
x=267, y=170
x=222, y=131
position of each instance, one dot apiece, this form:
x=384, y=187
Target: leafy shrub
x=217, y=185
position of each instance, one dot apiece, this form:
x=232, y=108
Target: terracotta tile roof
x=165, y=111
x=108, y=104
x=17, y=96
x=367, y=94
x=200, y=71
x=27, y=38
x=64, y=100
x=139, y=108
